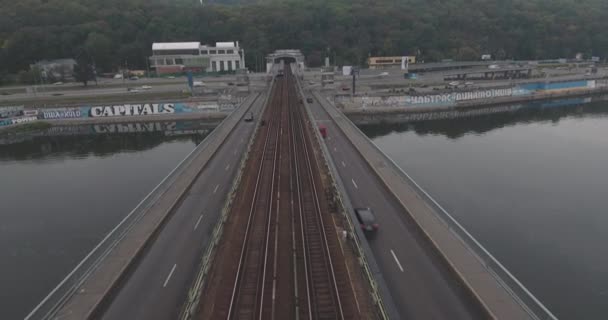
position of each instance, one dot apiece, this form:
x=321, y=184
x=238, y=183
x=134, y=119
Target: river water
x=531, y=184
x=62, y=189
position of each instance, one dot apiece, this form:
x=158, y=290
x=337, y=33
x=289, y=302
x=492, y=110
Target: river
x=530, y=184
x=64, y=188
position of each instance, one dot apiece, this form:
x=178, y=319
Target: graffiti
x=131, y=110
x=433, y=99
x=61, y=113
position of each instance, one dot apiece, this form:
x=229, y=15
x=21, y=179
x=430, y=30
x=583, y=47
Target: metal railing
x=510, y=283
x=67, y=287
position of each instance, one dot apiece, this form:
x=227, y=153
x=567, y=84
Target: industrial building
x=177, y=57
x=388, y=62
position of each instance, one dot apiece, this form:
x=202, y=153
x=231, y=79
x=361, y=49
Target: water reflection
x=98, y=139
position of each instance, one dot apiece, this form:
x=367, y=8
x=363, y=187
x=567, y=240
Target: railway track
x=285, y=268
x=322, y=299
x=248, y=290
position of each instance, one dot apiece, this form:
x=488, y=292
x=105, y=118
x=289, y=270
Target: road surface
x=159, y=285
x=421, y=285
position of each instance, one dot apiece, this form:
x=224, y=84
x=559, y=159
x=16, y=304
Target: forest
x=120, y=32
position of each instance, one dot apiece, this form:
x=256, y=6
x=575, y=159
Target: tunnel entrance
x=286, y=60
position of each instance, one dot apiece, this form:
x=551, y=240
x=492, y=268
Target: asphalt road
x=419, y=282
x=158, y=286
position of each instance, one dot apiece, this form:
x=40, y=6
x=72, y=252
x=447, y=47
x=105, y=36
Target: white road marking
x=169, y=276
x=215, y=190
x=227, y=167
x=354, y=183
x=198, y=221
x=397, y=260
x=343, y=164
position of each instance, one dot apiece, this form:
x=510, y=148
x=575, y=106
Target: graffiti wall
x=453, y=98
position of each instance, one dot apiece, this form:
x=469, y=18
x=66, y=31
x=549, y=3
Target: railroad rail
x=248, y=290
x=281, y=254
x=322, y=292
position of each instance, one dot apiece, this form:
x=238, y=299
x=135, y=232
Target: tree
x=84, y=70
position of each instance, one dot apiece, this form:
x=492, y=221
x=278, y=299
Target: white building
x=177, y=57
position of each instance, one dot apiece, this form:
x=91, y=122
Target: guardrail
x=194, y=294
x=67, y=287
x=330, y=166
x=510, y=283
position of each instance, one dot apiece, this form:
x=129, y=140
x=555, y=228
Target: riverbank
x=43, y=124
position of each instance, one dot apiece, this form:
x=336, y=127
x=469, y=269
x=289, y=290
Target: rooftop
x=175, y=45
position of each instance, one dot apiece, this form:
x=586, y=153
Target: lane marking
x=227, y=167
x=198, y=221
x=169, y=276
x=343, y=164
x=354, y=183
x=215, y=190
x=397, y=260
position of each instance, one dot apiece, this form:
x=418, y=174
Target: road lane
x=178, y=243
x=425, y=289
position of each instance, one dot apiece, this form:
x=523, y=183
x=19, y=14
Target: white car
x=384, y=74
x=58, y=83
x=454, y=84
x=197, y=84
x=146, y=87
x=493, y=66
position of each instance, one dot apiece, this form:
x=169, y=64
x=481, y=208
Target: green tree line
x=119, y=32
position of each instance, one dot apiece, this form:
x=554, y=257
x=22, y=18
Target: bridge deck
x=414, y=242
x=129, y=294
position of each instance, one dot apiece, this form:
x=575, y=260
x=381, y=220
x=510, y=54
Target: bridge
x=258, y=221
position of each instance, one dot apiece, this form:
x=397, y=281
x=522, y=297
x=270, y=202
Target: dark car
x=249, y=117
x=367, y=220
x=309, y=100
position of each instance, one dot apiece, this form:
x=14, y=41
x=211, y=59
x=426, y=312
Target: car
x=197, y=84
x=118, y=76
x=384, y=74
x=367, y=219
x=134, y=78
x=309, y=100
x=58, y=83
x=170, y=77
x=249, y=117
x=345, y=88
x=146, y=87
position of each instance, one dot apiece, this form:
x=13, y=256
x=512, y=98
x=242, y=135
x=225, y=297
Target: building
x=388, y=62
x=56, y=70
x=177, y=57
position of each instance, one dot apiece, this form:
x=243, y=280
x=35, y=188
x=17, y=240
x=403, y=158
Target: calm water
x=531, y=185
x=64, y=188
